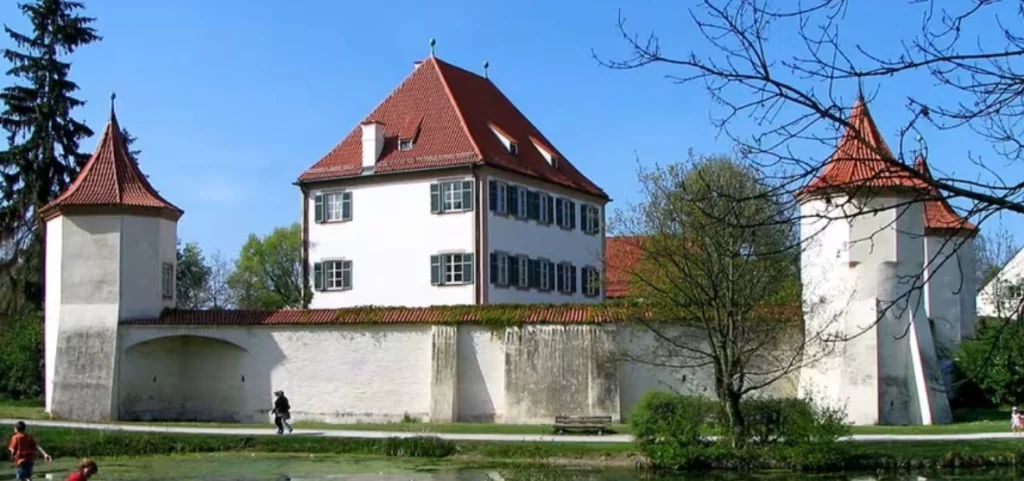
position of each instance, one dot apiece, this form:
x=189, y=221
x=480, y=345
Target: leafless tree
x=995, y=249
x=722, y=296
x=781, y=77
x=217, y=293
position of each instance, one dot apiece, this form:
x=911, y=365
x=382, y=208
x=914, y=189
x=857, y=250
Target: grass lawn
x=968, y=421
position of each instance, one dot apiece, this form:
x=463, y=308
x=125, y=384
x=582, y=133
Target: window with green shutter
x=332, y=275
x=332, y=207
x=451, y=196
x=591, y=281
x=451, y=269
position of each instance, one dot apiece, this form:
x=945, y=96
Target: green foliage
x=994, y=360
x=43, y=154
x=192, y=276
x=268, y=271
x=672, y=431
x=664, y=420
x=21, y=356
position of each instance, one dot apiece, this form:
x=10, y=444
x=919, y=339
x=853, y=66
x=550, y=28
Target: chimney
x=416, y=65
x=373, y=142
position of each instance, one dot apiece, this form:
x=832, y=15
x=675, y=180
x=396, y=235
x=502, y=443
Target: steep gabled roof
x=938, y=214
x=855, y=164
x=111, y=178
x=452, y=111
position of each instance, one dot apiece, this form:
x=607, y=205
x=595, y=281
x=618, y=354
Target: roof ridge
x=458, y=108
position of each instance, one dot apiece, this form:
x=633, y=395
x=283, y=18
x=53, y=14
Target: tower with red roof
x=446, y=194
x=863, y=271
x=110, y=256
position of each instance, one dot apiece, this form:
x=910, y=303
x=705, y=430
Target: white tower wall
x=864, y=275
x=968, y=295
x=100, y=269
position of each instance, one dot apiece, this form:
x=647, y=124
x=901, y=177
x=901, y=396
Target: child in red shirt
x=86, y=469
x=23, y=450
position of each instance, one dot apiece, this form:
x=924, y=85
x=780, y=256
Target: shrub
x=21, y=356
x=668, y=426
x=994, y=359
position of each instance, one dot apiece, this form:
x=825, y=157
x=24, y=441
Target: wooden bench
x=597, y=424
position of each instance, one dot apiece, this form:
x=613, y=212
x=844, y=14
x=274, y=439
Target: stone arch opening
x=186, y=378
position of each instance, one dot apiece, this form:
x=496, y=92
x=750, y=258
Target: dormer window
x=513, y=148
x=405, y=144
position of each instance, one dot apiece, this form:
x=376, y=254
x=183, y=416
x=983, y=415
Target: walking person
x=23, y=449
x=282, y=413
x=86, y=469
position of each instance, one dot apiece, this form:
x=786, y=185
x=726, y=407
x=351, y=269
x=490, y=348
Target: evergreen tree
x=130, y=139
x=43, y=155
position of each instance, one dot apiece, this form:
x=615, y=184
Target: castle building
x=446, y=194
x=873, y=235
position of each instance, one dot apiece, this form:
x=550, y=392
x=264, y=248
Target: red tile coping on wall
x=510, y=314
x=451, y=111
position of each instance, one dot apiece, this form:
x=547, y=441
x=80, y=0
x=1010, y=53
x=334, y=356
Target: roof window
x=405, y=144
x=513, y=148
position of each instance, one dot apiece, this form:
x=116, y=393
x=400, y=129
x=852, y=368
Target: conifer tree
x=42, y=155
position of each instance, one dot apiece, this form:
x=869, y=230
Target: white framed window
x=405, y=144
x=1014, y=291
x=500, y=268
x=333, y=206
x=590, y=218
x=332, y=275
x=451, y=269
x=167, y=280
x=451, y=196
x=524, y=272
x=545, y=275
x=545, y=208
x=566, y=278
x=566, y=213
x=521, y=200
x=498, y=196
x=591, y=281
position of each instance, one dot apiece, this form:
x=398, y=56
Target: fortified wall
x=386, y=372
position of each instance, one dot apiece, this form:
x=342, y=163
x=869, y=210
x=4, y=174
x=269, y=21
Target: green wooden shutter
x=346, y=206
x=551, y=209
x=551, y=276
x=467, y=195
x=467, y=268
x=318, y=276
x=435, y=198
x=572, y=279
x=494, y=268
x=572, y=214
x=318, y=211
x=492, y=195
x=435, y=270
x=346, y=275
x=558, y=211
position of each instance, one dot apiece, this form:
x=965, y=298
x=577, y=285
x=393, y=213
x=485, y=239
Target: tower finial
x=486, y=66
x=433, y=43
x=113, y=95
x=860, y=88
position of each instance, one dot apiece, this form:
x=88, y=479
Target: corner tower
x=110, y=255
x=862, y=225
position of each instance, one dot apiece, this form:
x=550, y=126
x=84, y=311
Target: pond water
x=262, y=467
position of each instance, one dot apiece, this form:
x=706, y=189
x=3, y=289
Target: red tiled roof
x=620, y=254
x=111, y=178
x=553, y=314
x=938, y=214
x=456, y=109
x=855, y=165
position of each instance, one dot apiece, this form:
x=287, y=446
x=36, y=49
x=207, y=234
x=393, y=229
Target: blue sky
x=232, y=99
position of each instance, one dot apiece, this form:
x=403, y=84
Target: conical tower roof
x=111, y=179
x=939, y=216
x=858, y=160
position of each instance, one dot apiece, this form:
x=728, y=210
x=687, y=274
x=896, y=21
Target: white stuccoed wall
x=369, y=373
x=101, y=269
x=519, y=236
x=968, y=256
x=993, y=300
x=389, y=240
x=481, y=374
x=948, y=279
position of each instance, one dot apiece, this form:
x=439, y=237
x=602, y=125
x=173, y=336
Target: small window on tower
x=167, y=281
x=405, y=144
